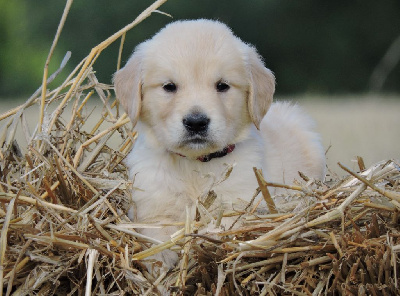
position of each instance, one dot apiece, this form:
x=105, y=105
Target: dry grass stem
x=46, y=67
x=264, y=190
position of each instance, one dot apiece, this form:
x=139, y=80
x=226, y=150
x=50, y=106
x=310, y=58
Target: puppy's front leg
x=168, y=258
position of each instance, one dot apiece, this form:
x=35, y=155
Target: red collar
x=206, y=158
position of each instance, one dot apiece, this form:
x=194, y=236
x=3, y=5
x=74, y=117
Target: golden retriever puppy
x=200, y=98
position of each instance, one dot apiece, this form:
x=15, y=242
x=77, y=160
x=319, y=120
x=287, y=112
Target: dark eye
x=170, y=87
x=222, y=86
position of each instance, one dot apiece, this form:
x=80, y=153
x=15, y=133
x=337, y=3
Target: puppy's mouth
x=196, y=142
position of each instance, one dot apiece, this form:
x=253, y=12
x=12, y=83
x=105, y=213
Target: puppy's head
x=195, y=87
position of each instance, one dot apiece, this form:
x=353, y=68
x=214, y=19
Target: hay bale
x=64, y=200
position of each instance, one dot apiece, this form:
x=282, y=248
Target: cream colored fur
x=195, y=55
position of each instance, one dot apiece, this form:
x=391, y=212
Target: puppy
x=200, y=97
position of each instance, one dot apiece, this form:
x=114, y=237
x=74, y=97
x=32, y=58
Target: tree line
x=312, y=46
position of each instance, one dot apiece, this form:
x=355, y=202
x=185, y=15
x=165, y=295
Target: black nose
x=196, y=122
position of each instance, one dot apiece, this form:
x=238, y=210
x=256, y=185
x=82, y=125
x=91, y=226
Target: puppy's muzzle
x=196, y=123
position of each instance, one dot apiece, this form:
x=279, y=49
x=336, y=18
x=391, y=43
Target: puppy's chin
x=196, y=145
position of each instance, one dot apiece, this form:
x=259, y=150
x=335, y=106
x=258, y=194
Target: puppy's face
x=194, y=87
x=194, y=93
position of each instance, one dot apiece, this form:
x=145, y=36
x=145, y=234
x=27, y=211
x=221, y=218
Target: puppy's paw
x=162, y=262
x=168, y=258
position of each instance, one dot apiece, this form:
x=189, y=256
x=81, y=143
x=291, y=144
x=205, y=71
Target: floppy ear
x=262, y=87
x=128, y=86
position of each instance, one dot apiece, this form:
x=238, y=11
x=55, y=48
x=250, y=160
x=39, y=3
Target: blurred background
x=339, y=59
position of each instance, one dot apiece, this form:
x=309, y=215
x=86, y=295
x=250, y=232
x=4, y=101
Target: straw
x=64, y=199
